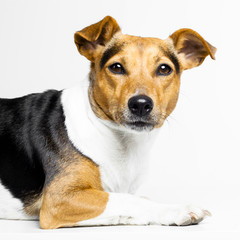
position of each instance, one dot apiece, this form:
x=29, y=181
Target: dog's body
x=75, y=157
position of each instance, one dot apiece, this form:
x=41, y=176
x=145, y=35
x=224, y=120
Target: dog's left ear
x=89, y=39
x=191, y=48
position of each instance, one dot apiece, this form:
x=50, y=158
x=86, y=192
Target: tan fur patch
x=74, y=195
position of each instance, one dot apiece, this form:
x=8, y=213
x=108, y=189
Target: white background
x=196, y=159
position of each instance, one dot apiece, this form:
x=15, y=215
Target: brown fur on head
x=143, y=70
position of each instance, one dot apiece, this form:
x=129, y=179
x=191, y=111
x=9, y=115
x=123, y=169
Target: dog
x=76, y=157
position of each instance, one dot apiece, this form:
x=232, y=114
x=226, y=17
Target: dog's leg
x=75, y=198
x=92, y=207
x=133, y=210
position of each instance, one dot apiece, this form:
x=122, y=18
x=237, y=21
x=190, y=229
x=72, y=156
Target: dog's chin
x=131, y=126
x=139, y=126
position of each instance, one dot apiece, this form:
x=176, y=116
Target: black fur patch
x=32, y=133
x=109, y=53
x=174, y=60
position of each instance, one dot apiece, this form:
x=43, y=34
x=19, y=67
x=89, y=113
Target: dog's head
x=134, y=81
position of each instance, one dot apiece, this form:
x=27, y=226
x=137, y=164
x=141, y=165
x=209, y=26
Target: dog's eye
x=164, y=70
x=117, y=68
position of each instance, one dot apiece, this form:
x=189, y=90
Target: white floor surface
x=222, y=225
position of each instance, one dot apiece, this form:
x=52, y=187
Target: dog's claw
x=194, y=217
x=207, y=213
x=190, y=215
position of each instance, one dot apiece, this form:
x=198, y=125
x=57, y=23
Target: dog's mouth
x=139, y=125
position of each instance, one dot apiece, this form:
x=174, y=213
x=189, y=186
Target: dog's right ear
x=89, y=39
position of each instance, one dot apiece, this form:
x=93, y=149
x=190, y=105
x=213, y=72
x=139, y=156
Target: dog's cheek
x=105, y=98
x=172, y=104
x=100, y=97
x=165, y=99
x=172, y=98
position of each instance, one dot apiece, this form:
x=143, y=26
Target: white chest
x=124, y=165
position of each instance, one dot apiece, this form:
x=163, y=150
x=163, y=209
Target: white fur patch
x=128, y=209
x=10, y=207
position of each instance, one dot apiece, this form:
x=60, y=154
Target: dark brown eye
x=164, y=70
x=117, y=68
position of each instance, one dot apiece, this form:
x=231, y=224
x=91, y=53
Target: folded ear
x=191, y=48
x=89, y=39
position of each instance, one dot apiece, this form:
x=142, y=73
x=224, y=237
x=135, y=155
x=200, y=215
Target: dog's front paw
x=183, y=216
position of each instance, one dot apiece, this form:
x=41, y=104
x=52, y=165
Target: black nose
x=140, y=105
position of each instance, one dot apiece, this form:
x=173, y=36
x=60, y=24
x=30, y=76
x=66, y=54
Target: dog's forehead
x=141, y=43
